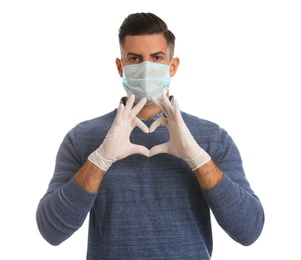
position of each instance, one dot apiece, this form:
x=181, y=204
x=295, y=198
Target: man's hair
x=146, y=24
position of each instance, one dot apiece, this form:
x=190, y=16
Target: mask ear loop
x=170, y=64
x=122, y=67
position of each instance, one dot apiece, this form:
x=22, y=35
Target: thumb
x=141, y=125
x=160, y=121
x=140, y=149
x=160, y=148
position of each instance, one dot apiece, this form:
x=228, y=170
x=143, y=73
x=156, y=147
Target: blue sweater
x=149, y=208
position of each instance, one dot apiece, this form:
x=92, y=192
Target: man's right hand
x=117, y=145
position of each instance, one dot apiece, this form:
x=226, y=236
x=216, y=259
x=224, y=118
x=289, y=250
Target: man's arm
x=72, y=192
x=209, y=175
x=89, y=177
x=227, y=191
x=115, y=146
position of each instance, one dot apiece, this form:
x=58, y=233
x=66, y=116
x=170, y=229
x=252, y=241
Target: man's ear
x=119, y=67
x=174, y=66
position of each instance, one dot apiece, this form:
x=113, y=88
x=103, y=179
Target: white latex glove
x=181, y=142
x=117, y=143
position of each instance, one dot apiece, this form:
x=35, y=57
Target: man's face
x=142, y=48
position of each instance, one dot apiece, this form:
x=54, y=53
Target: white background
x=240, y=67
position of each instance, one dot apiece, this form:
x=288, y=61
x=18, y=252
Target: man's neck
x=147, y=112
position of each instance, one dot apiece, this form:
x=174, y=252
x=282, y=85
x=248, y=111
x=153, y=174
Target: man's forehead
x=145, y=44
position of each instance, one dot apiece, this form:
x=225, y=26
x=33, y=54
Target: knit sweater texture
x=149, y=207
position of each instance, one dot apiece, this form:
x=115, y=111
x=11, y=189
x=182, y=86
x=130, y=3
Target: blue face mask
x=146, y=79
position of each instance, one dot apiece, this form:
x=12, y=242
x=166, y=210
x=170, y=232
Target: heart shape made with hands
x=181, y=143
x=117, y=145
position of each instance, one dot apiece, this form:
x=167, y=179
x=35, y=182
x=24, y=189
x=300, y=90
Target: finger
x=160, y=148
x=141, y=125
x=168, y=108
x=129, y=104
x=162, y=106
x=119, y=114
x=139, y=149
x=160, y=121
x=177, y=112
x=177, y=109
x=157, y=103
x=165, y=100
x=137, y=108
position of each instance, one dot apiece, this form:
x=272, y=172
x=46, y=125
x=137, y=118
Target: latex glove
x=117, y=143
x=181, y=142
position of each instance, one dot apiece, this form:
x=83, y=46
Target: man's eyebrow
x=139, y=55
x=133, y=54
x=158, y=53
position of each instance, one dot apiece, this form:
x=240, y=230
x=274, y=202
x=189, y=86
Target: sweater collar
x=160, y=114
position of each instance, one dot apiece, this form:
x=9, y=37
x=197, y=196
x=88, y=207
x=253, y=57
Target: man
x=147, y=173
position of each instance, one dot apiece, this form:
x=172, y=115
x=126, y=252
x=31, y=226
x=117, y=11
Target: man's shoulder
x=195, y=121
x=101, y=122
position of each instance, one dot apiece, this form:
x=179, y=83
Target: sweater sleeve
x=233, y=203
x=238, y=212
x=64, y=207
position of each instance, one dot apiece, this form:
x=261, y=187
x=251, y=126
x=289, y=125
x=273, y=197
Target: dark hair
x=146, y=24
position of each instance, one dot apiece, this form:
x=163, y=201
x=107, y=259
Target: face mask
x=146, y=79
